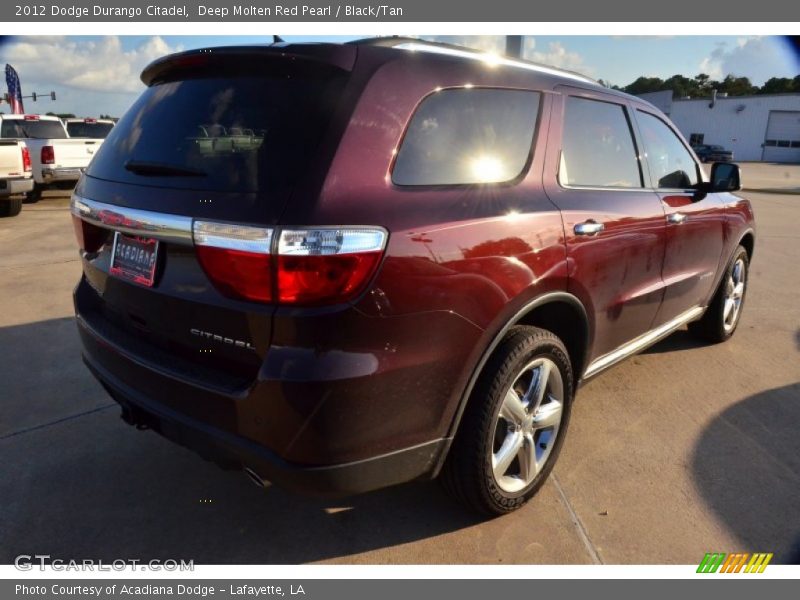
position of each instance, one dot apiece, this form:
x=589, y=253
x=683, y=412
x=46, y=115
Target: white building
x=754, y=127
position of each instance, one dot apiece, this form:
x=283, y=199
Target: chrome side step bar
x=642, y=342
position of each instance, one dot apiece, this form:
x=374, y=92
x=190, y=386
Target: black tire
x=712, y=327
x=468, y=474
x=34, y=195
x=10, y=207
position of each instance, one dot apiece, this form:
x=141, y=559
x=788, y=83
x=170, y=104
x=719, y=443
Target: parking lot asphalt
x=682, y=450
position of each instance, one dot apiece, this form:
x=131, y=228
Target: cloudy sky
x=95, y=75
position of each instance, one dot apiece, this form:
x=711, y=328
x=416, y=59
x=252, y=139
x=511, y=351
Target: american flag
x=14, y=91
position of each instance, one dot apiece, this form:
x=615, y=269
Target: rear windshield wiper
x=162, y=169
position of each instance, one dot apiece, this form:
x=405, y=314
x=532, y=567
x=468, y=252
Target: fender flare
x=531, y=305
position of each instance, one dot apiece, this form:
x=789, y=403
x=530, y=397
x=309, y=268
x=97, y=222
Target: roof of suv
x=341, y=56
x=419, y=45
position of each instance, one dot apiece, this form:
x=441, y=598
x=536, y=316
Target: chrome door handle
x=677, y=218
x=589, y=228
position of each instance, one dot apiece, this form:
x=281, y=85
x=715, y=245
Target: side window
x=597, y=148
x=467, y=136
x=671, y=165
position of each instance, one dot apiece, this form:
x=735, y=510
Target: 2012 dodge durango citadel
x=342, y=267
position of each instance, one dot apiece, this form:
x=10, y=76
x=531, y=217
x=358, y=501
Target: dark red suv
x=342, y=267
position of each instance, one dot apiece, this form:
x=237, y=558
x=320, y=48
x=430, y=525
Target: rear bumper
x=57, y=174
x=235, y=452
x=352, y=419
x=10, y=187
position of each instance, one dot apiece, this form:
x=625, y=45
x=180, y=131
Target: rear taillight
x=316, y=266
x=326, y=266
x=48, y=155
x=90, y=237
x=236, y=258
x=26, y=159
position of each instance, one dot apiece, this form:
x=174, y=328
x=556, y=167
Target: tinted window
x=671, y=165
x=597, y=148
x=238, y=133
x=88, y=130
x=468, y=136
x=19, y=128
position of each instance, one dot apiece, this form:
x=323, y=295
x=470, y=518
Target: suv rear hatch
x=219, y=143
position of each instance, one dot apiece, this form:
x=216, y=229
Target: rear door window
x=597, y=146
x=468, y=136
x=240, y=133
x=671, y=164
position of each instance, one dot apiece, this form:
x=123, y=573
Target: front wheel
x=514, y=424
x=723, y=314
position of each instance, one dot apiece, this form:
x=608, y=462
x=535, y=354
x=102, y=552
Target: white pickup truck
x=15, y=176
x=57, y=160
x=94, y=129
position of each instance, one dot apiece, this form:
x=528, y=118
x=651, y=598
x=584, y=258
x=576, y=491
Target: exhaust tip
x=255, y=477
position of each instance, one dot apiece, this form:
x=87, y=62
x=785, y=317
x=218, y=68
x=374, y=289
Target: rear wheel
x=34, y=195
x=723, y=314
x=514, y=424
x=10, y=207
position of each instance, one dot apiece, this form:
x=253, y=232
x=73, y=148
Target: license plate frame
x=134, y=259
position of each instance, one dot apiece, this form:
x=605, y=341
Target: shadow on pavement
x=680, y=340
x=747, y=467
x=78, y=483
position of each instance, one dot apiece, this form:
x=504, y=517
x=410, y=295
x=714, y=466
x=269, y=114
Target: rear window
x=244, y=133
x=80, y=129
x=468, y=136
x=42, y=130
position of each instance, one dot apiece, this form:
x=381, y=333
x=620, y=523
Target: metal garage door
x=782, y=142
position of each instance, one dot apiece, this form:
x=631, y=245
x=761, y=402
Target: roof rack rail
x=416, y=44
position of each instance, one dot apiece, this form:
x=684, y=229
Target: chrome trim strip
x=642, y=342
x=175, y=229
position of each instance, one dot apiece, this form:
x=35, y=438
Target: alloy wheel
x=527, y=425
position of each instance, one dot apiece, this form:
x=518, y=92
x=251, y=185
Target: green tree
x=644, y=85
x=681, y=86
x=777, y=85
x=737, y=86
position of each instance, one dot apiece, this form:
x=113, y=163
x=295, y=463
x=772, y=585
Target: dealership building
x=761, y=128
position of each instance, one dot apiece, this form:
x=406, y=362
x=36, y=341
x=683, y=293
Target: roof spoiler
x=333, y=56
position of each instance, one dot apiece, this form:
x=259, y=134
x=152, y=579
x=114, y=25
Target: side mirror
x=725, y=177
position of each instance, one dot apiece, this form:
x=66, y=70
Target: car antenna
x=276, y=39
